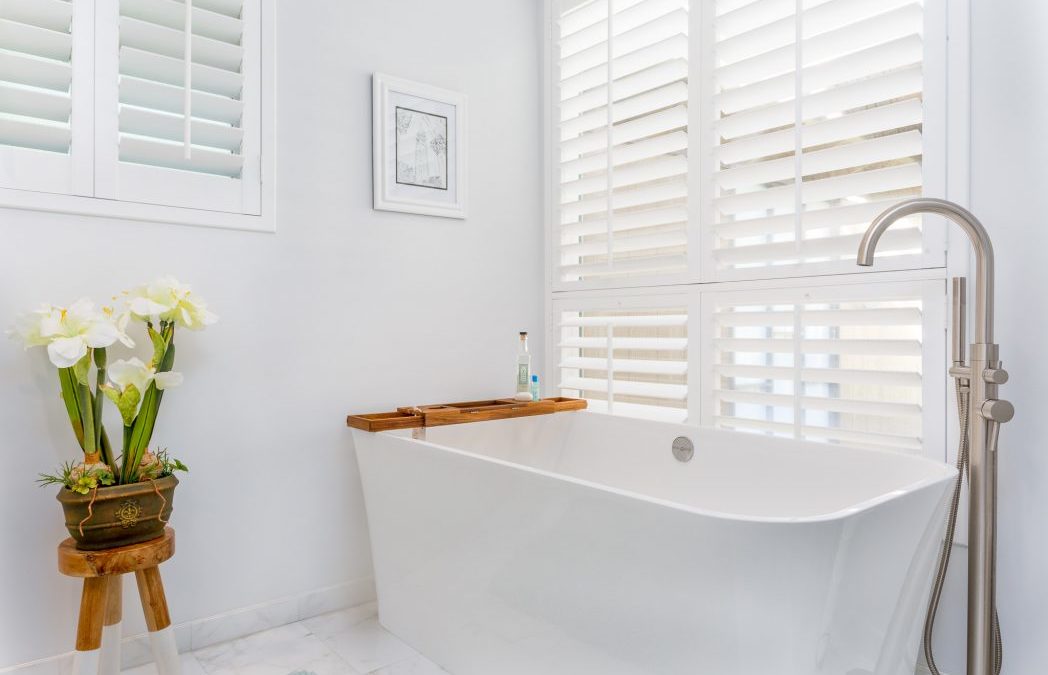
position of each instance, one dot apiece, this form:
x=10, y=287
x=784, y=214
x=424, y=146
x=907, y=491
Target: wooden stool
x=98, y=630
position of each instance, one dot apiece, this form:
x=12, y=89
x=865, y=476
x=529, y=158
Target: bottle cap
x=534, y=378
x=523, y=332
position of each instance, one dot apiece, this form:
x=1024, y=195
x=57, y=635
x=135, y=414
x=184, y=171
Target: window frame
x=946, y=158
x=84, y=165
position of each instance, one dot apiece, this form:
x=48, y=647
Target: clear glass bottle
x=524, y=367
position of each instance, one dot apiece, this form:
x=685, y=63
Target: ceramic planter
x=118, y=515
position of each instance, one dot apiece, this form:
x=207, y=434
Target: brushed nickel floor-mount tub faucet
x=981, y=414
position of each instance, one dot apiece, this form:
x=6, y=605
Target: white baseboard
x=231, y=625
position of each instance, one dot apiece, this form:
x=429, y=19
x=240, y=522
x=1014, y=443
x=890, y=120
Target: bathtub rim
x=948, y=474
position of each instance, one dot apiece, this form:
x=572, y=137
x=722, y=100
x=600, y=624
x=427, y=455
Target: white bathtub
x=576, y=543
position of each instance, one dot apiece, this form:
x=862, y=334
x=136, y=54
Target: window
x=38, y=143
x=100, y=101
x=815, y=128
x=840, y=364
x=713, y=165
x=626, y=356
x=622, y=150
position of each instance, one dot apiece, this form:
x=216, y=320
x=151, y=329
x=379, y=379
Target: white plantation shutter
x=859, y=365
x=621, y=139
x=147, y=152
x=817, y=126
x=750, y=140
x=37, y=122
x=94, y=96
x=625, y=358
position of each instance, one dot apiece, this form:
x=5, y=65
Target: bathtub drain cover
x=683, y=448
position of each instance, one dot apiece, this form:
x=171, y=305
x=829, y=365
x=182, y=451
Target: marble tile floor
x=346, y=642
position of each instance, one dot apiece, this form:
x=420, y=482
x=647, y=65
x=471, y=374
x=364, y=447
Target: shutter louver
x=36, y=104
x=621, y=139
x=153, y=77
x=818, y=128
x=840, y=366
x=630, y=362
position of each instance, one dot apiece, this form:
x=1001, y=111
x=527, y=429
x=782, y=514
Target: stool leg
x=89, y=626
x=158, y=621
x=109, y=660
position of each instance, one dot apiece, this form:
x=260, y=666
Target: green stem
x=87, y=409
x=127, y=441
x=107, y=451
x=96, y=399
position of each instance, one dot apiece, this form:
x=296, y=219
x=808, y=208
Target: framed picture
x=419, y=147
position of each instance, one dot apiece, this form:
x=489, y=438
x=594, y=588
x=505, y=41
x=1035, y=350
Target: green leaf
x=112, y=393
x=126, y=401
x=142, y=431
x=84, y=484
x=159, y=345
x=106, y=449
x=129, y=404
x=71, y=398
x=87, y=412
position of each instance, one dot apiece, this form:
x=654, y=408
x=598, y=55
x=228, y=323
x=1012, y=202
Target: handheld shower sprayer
x=981, y=415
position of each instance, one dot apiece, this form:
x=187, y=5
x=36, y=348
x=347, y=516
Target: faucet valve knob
x=995, y=375
x=997, y=410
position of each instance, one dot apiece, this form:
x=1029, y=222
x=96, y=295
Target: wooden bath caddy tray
x=459, y=413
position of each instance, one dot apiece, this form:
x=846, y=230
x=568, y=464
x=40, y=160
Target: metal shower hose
x=947, y=546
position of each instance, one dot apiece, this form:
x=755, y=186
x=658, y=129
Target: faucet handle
x=998, y=411
x=995, y=375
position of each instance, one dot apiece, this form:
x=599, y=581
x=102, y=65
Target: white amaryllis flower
x=132, y=371
x=70, y=331
x=30, y=326
x=128, y=380
x=168, y=300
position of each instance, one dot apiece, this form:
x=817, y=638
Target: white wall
x=344, y=309
x=1009, y=179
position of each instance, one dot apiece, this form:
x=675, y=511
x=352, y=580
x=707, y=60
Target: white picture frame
x=419, y=147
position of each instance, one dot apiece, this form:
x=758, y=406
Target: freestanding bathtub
x=577, y=544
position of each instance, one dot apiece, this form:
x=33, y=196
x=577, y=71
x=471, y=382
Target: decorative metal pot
x=118, y=515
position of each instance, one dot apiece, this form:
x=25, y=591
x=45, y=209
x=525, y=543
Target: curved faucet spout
x=975, y=231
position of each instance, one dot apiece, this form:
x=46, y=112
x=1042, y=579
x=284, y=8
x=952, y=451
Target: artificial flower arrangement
x=77, y=338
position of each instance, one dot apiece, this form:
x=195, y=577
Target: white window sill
x=25, y=200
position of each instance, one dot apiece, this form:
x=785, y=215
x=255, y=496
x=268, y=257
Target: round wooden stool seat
x=75, y=563
x=98, y=628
